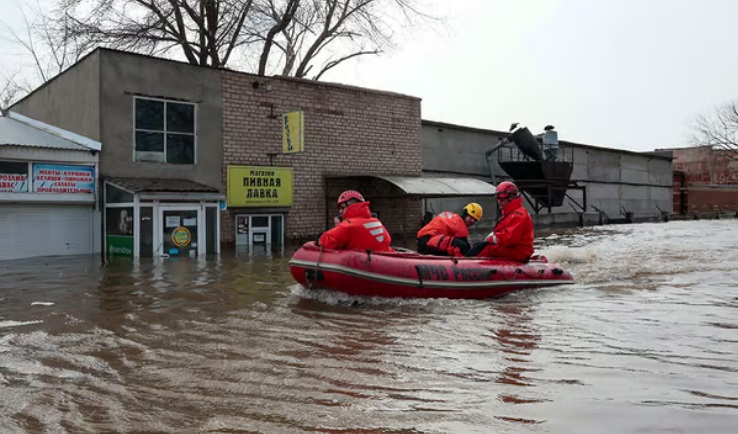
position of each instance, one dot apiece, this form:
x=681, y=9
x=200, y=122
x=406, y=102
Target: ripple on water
x=643, y=342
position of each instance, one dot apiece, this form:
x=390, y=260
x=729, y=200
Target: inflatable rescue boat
x=412, y=275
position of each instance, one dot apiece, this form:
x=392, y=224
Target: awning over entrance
x=429, y=187
x=150, y=188
x=161, y=217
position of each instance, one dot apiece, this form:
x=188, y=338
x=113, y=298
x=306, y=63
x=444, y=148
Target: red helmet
x=507, y=190
x=348, y=195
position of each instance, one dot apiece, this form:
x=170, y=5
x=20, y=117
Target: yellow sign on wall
x=293, y=133
x=259, y=186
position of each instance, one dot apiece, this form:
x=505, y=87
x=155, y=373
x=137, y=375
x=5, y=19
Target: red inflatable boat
x=409, y=274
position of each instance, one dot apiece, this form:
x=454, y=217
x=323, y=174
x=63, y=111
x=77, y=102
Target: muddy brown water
x=646, y=341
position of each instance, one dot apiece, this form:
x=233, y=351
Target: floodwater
x=645, y=342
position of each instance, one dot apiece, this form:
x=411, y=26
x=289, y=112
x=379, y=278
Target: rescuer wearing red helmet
x=512, y=237
x=357, y=229
x=447, y=234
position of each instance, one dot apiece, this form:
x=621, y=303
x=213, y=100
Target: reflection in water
x=517, y=341
x=644, y=342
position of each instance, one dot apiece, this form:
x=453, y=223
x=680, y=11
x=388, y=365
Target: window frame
x=164, y=131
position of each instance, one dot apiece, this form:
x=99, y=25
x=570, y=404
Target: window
x=164, y=131
x=116, y=195
x=13, y=177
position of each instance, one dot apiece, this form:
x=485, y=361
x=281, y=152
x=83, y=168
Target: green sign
x=119, y=245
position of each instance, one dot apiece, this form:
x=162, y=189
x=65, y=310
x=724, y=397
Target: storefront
x=161, y=218
x=259, y=198
x=48, y=191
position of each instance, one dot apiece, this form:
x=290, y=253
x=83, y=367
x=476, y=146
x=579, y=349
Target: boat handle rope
x=538, y=274
x=520, y=270
x=317, y=268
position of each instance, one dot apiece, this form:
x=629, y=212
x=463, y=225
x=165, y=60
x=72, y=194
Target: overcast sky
x=628, y=74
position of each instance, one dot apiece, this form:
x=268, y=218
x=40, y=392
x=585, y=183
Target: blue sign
x=53, y=178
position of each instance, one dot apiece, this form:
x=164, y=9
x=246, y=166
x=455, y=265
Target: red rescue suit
x=512, y=237
x=358, y=231
x=446, y=234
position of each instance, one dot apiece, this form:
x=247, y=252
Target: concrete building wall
x=348, y=131
x=615, y=181
x=450, y=150
x=95, y=98
x=125, y=76
x=620, y=183
x=70, y=101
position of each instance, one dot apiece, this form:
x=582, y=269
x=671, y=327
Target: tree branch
x=334, y=63
x=281, y=23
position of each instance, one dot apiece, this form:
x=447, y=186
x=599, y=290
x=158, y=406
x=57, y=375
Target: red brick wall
x=679, y=196
x=711, y=177
x=704, y=165
x=348, y=131
x=703, y=199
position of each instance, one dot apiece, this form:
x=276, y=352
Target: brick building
x=182, y=142
x=705, y=180
x=349, y=131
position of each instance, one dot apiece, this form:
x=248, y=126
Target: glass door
x=259, y=233
x=180, y=231
x=259, y=240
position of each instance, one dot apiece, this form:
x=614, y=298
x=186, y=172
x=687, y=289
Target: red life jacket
x=443, y=229
x=444, y=243
x=358, y=231
x=513, y=234
x=446, y=223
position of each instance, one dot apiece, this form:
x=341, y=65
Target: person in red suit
x=357, y=229
x=512, y=237
x=448, y=233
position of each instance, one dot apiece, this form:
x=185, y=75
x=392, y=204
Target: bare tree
x=205, y=31
x=358, y=27
x=9, y=90
x=719, y=130
x=46, y=42
x=213, y=32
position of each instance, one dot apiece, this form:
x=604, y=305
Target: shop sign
x=259, y=186
x=119, y=245
x=181, y=236
x=293, y=133
x=52, y=178
x=13, y=182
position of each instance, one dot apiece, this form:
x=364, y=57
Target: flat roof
x=652, y=154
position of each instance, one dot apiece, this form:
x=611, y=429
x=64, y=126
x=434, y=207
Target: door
x=45, y=230
x=181, y=231
x=259, y=230
x=259, y=233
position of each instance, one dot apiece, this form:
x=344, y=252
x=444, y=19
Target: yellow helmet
x=474, y=210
